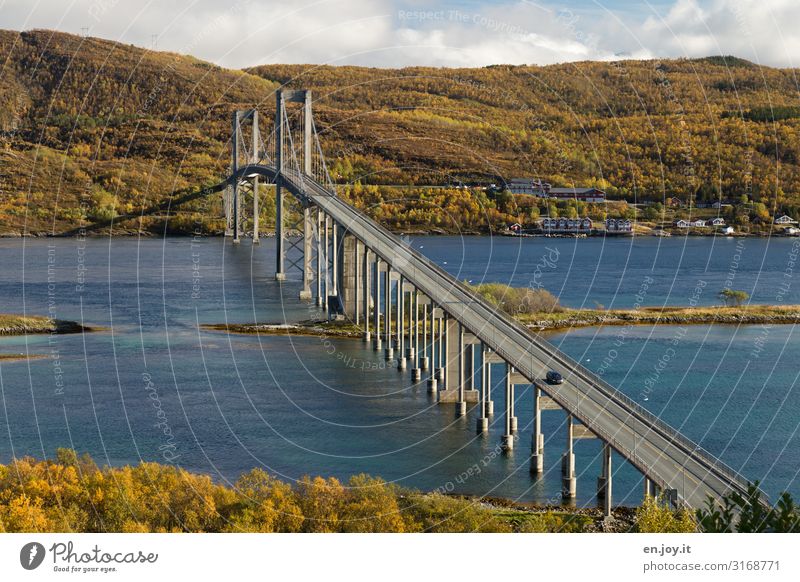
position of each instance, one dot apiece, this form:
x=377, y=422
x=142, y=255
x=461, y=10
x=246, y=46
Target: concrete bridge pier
x=462, y=401
x=320, y=254
x=326, y=225
x=568, y=479
x=402, y=362
x=604, y=481
x=416, y=371
x=512, y=377
x=335, y=250
x=308, y=241
x=537, y=438
x=442, y=370
x=354, y=286
x=649, y=488
x=433, y=381
x=387, y=314
x=483, y=419
x=507, y=442
x=365, y=293
x=376, y=312
x=424, y=360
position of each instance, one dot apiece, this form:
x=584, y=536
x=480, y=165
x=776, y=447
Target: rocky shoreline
x=19, y=325
x=556, y=321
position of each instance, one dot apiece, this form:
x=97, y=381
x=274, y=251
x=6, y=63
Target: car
x=554, y=377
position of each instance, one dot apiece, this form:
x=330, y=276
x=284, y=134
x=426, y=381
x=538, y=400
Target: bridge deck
x=667, y=457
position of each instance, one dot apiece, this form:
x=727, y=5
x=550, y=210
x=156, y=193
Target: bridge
x=437, y=328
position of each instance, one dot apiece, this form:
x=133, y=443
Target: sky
x=398, y=33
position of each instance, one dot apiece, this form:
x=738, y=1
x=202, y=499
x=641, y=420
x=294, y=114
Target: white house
x=785, y=220
x=618, y=225
x=682, y=223
x=716, y=222
x=699, y=223
x=566, y=224
x=727, y=230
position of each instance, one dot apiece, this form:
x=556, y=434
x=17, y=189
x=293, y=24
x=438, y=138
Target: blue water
x=155, y=387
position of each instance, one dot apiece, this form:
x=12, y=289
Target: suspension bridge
x=435, y=327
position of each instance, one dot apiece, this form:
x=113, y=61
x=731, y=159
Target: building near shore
x=559, y=225
x=618, y=225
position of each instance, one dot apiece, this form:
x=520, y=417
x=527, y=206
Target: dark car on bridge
x=554, y=377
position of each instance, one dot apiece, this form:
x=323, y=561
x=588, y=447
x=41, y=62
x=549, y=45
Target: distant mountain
x=92, y=127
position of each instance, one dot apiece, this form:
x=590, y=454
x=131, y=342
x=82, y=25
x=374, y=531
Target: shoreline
x=556, y=321
x=11, y=325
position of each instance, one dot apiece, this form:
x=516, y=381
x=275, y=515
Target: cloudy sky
x=391, y=33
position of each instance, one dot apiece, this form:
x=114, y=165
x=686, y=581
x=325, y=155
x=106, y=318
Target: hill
x=90, y=128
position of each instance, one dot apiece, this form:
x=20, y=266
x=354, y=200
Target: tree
x=732, y=297
x=655, y=516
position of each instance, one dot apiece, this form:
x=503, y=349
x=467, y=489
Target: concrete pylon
x=604, y=493
x=376, y=312
x=326, y=225
x=508, y=436
x=424, y=359
x=387, y=314
x=483, y=419
x=401, y=325
x=568, y=479
x=365, y=292
x=320, y=254
x=433, y=381
x=537, y=438
x=308, y=241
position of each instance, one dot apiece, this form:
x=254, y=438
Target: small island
x=539, y=310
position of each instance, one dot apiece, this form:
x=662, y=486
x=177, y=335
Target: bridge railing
x=635, y=409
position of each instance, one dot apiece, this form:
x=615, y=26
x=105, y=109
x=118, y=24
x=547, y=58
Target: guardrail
x=467, y=295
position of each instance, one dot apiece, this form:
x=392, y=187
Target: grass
x=745, y=314
x=11, y=324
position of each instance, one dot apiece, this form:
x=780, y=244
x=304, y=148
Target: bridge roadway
x=661, y=453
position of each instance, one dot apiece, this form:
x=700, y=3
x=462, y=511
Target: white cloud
x=438, y=33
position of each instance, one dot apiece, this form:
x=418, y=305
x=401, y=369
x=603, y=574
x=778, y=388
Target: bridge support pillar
x=511, y=406
x=336, y=248
x=256, y=194
x=462, y=401
x=349, y=283
x=604, y=481
x=401, y=324
x=365, y=292
x=416, y=371
x=649, y=488
x=376, y=312
x=326, y=261
x=508, y=435
x=280, y=235
x=424, y=359
x=357, y=285
x=387, y=314
x=568, y=479
x=537, y=438
x=432, y=379
x=308, y=241
x=483, y=419
x=319, y=257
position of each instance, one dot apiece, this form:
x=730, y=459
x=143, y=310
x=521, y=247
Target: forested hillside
x=91, y=128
